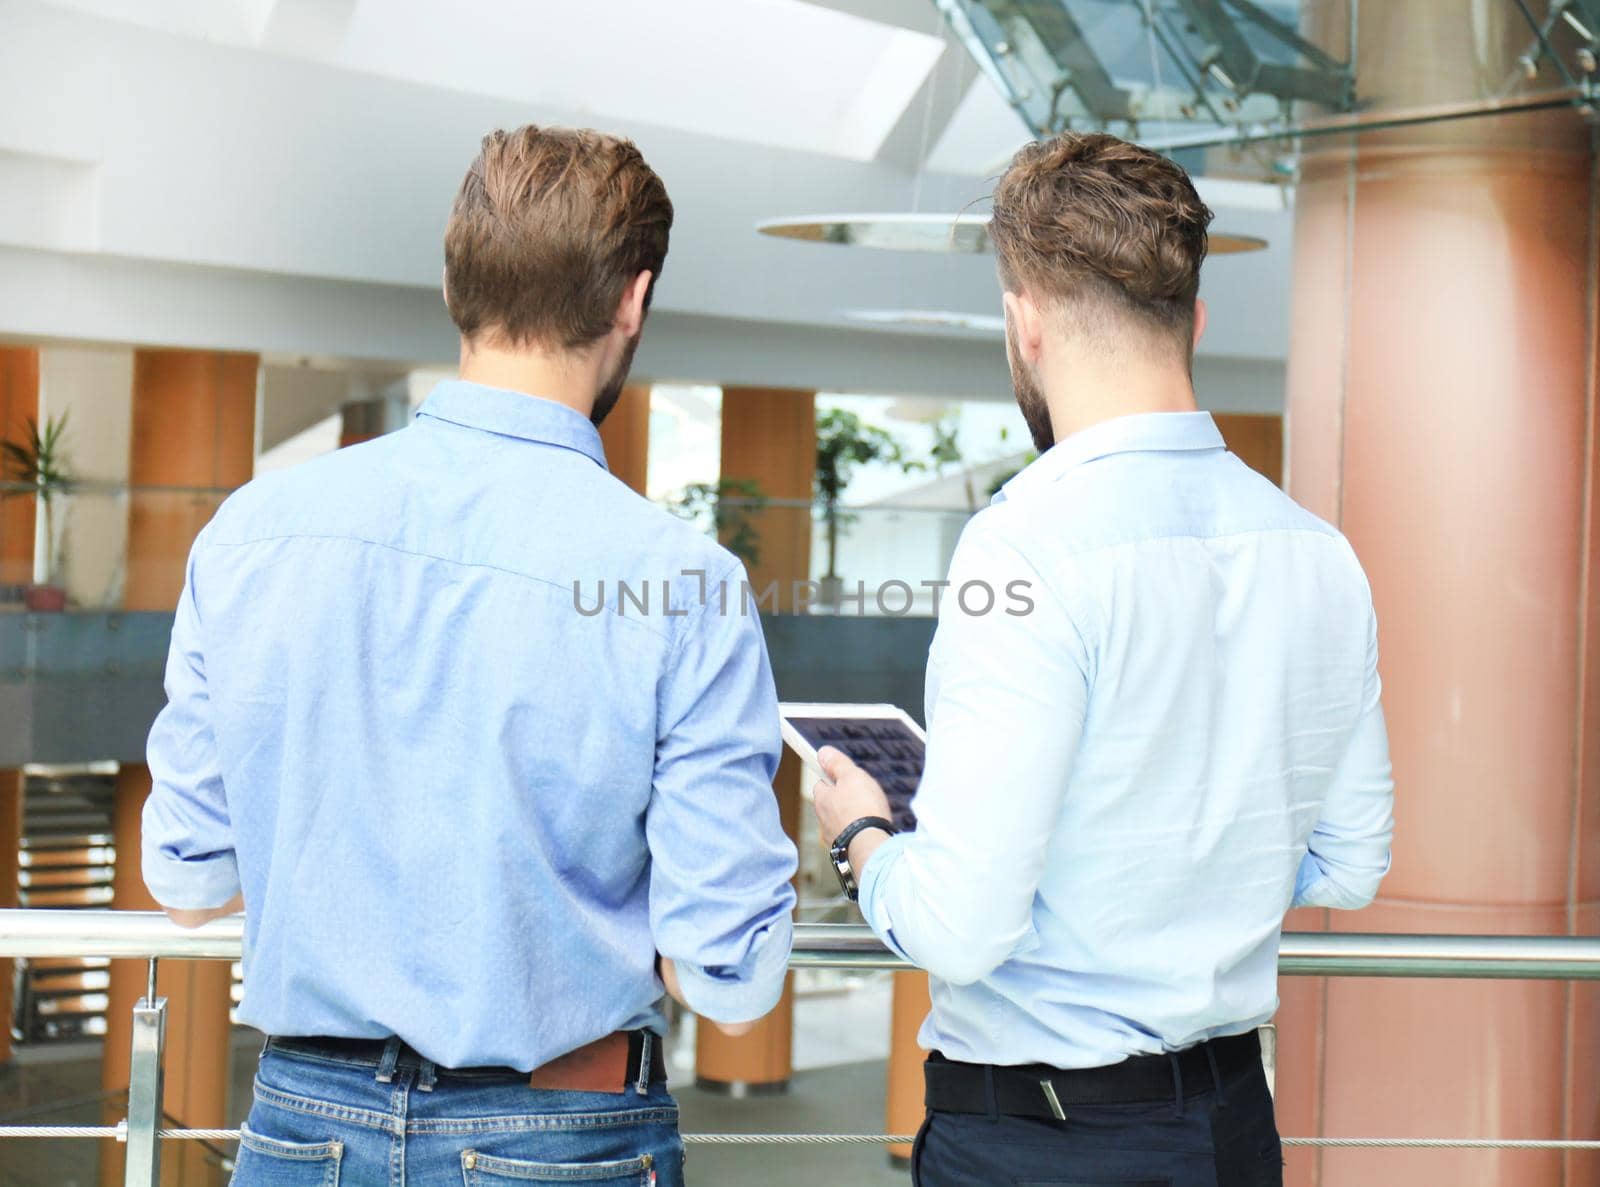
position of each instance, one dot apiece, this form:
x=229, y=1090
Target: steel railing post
x=145, y=1077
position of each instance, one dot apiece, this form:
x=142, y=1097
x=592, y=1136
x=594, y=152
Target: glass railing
x=878, y=560
x=110, y=546
x=125, y=548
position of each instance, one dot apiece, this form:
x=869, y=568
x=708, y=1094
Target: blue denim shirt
x=467, y=790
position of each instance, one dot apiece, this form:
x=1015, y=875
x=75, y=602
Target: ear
x=630, y=311
x=1027, y=326
x=444, y=285
x=1199, y=323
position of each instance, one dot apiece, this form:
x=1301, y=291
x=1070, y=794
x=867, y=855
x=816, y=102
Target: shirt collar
x=1160, y=432
x=514, y=414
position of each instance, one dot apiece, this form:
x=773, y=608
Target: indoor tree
x=37, y=466
x=844, y=442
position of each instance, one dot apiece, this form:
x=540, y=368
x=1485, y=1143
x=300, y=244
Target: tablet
x=882, y=739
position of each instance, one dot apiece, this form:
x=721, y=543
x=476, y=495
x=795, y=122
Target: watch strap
x=839, y=851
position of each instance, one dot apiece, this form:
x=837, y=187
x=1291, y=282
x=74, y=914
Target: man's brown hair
x=1094, y=225
x=548, y=229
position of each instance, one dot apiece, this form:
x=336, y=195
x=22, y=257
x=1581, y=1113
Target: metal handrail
x=149, y=934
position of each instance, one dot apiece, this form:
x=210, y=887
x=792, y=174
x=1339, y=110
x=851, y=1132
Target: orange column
x=768, y=437
x=1257, y=441
x=19, y=402
x=10, y=847
x=1441, y=411
x=905, y=1109
x=625, y=434
x=193, y=431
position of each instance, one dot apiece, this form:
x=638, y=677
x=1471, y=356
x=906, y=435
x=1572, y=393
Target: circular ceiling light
x=960, y=234
x=929, y=319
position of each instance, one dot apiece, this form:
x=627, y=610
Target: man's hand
x=669, y=978
x=845, y=795
x=203, y=915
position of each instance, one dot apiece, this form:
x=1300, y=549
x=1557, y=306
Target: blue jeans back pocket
x=482, y=1170
x=268, y=1162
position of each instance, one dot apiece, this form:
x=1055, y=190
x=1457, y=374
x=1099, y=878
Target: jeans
x=1224, y=1136
x=333, y=1121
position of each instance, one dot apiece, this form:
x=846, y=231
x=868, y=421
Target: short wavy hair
x=548, y=229
x=1095, y=225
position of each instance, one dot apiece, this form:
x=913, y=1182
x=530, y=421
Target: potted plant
x=845, y=441
x=732, y=505
x=37, y=467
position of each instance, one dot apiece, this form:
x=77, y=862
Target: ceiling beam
x=928, y=114
x=920, y=16
x=309, y=29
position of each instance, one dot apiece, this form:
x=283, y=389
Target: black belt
x=1036, y=1090
x=372, y=1051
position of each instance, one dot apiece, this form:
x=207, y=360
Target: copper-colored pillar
x=19, y=402
x=1441, y=412
x=768, y=437
x=193, y=431
x=625, y=434
x=10, y=852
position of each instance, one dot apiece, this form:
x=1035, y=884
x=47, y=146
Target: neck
x=1088, y=391
x=567, y=377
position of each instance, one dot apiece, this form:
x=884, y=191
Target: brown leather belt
x=610, y=1064
x=595, y=1066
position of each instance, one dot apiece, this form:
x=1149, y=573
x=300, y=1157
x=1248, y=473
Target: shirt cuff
x=745, y=993
x=190, y=884
x=880, y=869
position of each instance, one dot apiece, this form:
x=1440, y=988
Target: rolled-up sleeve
x=188, y=859
x=1347, y=854
x=721, y=896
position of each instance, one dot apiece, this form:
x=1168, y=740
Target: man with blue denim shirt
x=481, y=809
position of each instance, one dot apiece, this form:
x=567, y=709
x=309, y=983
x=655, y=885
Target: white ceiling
x=274, y=175
x=780, y=72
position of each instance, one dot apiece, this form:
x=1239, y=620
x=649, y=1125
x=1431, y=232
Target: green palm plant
x=37, y=466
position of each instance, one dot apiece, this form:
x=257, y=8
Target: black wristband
x=839, y=851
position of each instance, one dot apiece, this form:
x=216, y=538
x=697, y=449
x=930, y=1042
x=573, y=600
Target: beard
x=1030, y=396
x=611, y=391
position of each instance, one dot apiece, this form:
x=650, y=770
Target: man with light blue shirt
x=1133, y=776
x=481, y=811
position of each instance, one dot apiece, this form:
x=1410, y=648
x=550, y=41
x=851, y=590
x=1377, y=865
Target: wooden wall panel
x=19, y=400
x=626, y=436
x=193, y=428
x=769, y=436
x=1256, y=440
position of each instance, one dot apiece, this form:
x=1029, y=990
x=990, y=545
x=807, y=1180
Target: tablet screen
x=885, y=748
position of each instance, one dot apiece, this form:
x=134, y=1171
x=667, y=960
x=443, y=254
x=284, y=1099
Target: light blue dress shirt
x=466, y=804
x=1128, y=784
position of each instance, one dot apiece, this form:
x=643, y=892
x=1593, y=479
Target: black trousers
x=1222, y=1136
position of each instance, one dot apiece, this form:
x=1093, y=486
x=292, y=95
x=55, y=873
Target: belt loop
x=1177, y=1079
x=642, y=1084
x=390, y=1060
x=1216, y=1073
x=427, y=1074
x=990, y=1099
